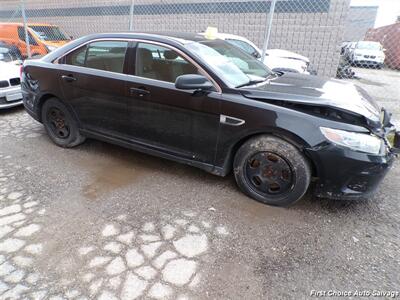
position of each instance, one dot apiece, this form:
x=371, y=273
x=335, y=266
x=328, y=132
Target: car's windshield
x=233, y=65
x=49, y=33
x=369, y=46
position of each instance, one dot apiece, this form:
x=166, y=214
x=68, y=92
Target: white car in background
x=365, y=54
x=276, y=59
x=10, y=85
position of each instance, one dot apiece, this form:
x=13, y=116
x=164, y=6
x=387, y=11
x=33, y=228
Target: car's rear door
x=93, y=83
x=176, y=121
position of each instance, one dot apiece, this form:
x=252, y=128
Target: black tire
x=282, y=173
x=60, y=125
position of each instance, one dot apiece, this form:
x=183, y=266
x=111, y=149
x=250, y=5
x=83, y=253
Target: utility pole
x=268, y=30
x=28, y=46
x=131, y=10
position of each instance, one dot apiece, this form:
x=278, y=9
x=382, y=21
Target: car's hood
x=279, y=63
x=8, y=70
x=318, y=91
x=286, y=54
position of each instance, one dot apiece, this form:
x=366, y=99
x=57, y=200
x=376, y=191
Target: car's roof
x=229, y=36
x=180, y=37
x=188, y=36
x=176, y=39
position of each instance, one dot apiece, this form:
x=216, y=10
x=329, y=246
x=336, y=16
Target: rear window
x=104, y=55
x=244, y=46
x=49, y=33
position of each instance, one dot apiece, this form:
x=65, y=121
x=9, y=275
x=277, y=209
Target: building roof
x=29, y=24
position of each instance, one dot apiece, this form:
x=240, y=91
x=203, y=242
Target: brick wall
x=313, y=28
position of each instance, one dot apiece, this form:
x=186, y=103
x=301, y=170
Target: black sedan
x=206, y=103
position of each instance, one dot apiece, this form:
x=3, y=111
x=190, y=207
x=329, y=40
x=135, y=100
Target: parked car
x=206, y=103
x=10, y=87
x=276, y=59
x=43, y=38
x=365, y=54
x=9, y=53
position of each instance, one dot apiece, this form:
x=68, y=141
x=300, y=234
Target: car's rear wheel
x=60, y=125
x=271, y=171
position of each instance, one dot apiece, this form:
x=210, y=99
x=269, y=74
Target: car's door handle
x=141, y=92
x=68, y=78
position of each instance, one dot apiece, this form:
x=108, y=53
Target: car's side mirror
x=256, y=54
x=193, y=82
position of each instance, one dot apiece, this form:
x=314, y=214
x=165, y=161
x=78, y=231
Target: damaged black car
x=205, y=103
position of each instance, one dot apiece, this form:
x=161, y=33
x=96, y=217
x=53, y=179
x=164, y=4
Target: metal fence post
x=268, y=31
x=131, y=10
x=28, y=46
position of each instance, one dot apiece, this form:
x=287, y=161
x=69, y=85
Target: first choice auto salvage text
x=360, y=293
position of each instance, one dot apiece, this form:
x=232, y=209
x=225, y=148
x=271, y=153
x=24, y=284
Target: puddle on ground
x=109, y=178
x=109, y=173
x=260, y=211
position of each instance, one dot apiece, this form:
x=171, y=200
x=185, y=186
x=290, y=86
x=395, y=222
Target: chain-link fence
x=328, y=37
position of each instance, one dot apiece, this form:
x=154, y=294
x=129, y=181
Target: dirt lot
x=100, y=221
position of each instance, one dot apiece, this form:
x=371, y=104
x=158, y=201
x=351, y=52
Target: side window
x=21, y=36
x=107, y=56
x=244, y=46
x=77, y=57
x=161, y=63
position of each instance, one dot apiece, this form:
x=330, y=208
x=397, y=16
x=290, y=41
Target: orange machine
x=43, y=38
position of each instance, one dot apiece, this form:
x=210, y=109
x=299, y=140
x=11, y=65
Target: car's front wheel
x=271, y=170
x=60, y=125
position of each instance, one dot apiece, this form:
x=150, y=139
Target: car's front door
x=93, y=83
x=180, y=122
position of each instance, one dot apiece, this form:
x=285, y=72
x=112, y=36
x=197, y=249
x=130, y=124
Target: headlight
x=353, y=140
x=51, y=48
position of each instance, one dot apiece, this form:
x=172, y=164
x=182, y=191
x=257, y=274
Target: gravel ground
x=103, y=222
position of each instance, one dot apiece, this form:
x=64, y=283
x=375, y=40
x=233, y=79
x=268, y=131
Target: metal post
x=131, y=10
x=268, y=31
x=28, y=46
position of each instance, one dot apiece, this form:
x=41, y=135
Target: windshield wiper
x=252, y=82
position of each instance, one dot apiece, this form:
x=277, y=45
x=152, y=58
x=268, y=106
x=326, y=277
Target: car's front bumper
x=346, y=174
x=10, y=97
x=368, y=61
